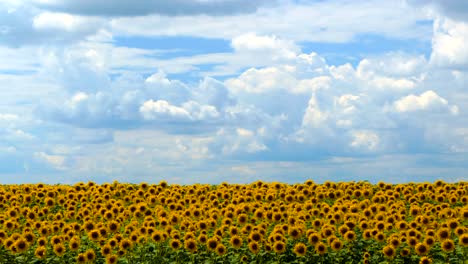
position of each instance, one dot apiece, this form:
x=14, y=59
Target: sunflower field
x=343, y=222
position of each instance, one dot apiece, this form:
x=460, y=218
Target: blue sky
x=215, y=91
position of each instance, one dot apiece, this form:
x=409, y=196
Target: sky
x=212, y=91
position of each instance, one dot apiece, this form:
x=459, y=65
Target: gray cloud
x=24, y=25
x=455, y=9
x=162, y=7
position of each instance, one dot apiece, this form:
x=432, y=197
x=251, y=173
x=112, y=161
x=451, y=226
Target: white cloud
x=8, y=117
x=240, y=140
x=201, y=112
x=78, y=97
x=428, y=100
x=8, y=150
x=346, y=102
x=314, y=116
x=449, y=44
x=392, y=64
x=311, y=85
x=368, y=140
x=120, y=110
x=391, y=83
x=56, y=161
x=19, y=134
x=261, y=81
x=245, y=170
x=191, y=110
x=244, y=132
x=328, y=21
x=64, y=22
x=162, y=109
x=277, y=49
x=392, y=71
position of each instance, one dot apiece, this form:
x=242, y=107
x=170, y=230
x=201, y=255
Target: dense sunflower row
x=346, y=222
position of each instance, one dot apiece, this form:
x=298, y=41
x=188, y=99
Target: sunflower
x=21, y=245
x=389, y=251
x=412, y=241
x=279, y=247
x=295, y=232
x=421, y=249
x=81, y=258
x=106, y=250
x=89, y=226
x=94, y=235
x=460, y=230
x=236, y=241
x=40, y=252
x=317, y=223
x=125, y=244
x=44, y=231
x=425, y=260
x=326, y=232
x=157, y=236
x=350, y=235
x=404, y=252
x=447, y=245
x=394, y=241
x=402, y=225
x=42, y=241
x=212, y=243
x=429, y=240
x=277, y=217
x=29, y=236
x=443, y=233
x=74, y=243
x=463, y=241
x=190, y=245
x=453, y=223
x=379, y=236
x=380, y=225
x=336, y=244
x=220, y=249
x=321, y=248
x=175, y=244
x=56, y=240
x=300, y=249
x=254, y=247
x=314, y=238
x=367, y=234
x=59, y=249
x=255, y=236
x=113, y=226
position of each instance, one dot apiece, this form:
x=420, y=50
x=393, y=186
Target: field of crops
x=354, y=222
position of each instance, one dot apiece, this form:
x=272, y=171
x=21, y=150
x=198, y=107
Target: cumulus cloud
x=261, y=80
x=391, y=72
x=22, y=24
x=314, y=117
x=162, y=109
x=156, y=100
x=266, y=99
x=8, y=117
x=58, y=22
x=236, y=141
x=368, y=140
x=272, y=46
x=449, y=48
x=55, y=161
x=428, y=100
